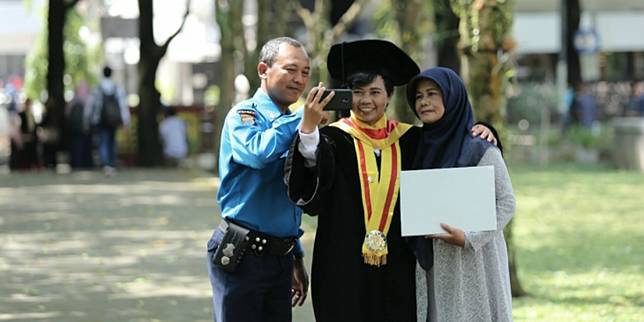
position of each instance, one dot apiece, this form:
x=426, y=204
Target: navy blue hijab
x=442, y=142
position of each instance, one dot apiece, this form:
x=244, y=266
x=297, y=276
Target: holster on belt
x=232, y=248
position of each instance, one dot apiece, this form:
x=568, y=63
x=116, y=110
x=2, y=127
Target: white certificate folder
x=460, y=197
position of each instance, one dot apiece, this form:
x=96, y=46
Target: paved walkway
x=83, y=247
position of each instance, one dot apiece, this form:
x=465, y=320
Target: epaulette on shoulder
x=248, y=104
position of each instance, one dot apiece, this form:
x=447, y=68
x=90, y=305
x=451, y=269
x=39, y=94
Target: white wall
x=19, y=28
x=539, y=32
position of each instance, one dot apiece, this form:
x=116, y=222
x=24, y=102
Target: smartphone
x=341, y=101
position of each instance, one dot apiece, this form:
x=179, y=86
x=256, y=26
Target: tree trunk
x=407, y=14
x=261, y=36
x=484, y=32
x=317, y=22
x=321, y=35
x=485, y=89
x=149, y=143
x=279, y=14
x=55, y=106
x=268, y=12
x=573, y=10
x=229, y=20
x=515, y=284
x=446, y=36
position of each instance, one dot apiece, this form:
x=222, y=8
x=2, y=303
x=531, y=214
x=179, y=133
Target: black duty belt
x=261, y=243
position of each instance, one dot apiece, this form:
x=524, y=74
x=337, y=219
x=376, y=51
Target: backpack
x=111, y=111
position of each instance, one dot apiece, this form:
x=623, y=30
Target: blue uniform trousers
x=258, y=291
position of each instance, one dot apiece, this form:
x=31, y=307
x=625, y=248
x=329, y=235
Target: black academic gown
x=343, y=287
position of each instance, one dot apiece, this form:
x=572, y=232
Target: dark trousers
x=80, y=152
x=258, y=291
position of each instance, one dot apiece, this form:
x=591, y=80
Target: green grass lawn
x=580, y=239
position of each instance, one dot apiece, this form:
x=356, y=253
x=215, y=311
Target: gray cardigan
x=472, y=283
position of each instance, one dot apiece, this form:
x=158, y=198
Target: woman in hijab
x=80, y=135
x=464, y=275
x=348, y=175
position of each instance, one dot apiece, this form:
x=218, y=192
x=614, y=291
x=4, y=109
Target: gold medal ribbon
x=379, y=187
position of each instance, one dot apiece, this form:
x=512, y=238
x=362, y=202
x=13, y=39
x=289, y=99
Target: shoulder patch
x=247, y=116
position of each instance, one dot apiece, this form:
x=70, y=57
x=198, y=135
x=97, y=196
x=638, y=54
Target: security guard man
x=254, y=257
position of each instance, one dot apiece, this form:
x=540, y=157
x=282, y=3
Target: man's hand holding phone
x=314, y=108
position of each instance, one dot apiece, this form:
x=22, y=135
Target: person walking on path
x=109, y=112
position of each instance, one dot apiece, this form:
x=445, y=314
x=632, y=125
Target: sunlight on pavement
x=91, y=249
x=27, y=316
x=181, y=286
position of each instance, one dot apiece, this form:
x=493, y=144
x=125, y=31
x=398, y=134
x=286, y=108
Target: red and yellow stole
x=379, y=187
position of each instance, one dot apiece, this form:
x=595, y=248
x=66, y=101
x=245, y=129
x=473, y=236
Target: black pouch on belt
x=232, y=247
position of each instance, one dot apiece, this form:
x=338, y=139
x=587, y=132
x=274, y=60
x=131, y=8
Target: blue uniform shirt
x=254, y=143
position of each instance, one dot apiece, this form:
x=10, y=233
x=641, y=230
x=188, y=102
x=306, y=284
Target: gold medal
x=375, y=241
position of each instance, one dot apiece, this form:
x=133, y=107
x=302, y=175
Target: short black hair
x=107, y=71
x=271, y=48
x=364, y=78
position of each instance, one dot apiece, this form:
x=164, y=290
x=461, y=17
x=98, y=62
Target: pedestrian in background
x=585, y=105
x=109, y=112
x=78, y=129
x=173, y=137
x=5, y=137
x=636, y=107
x=26, y=149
